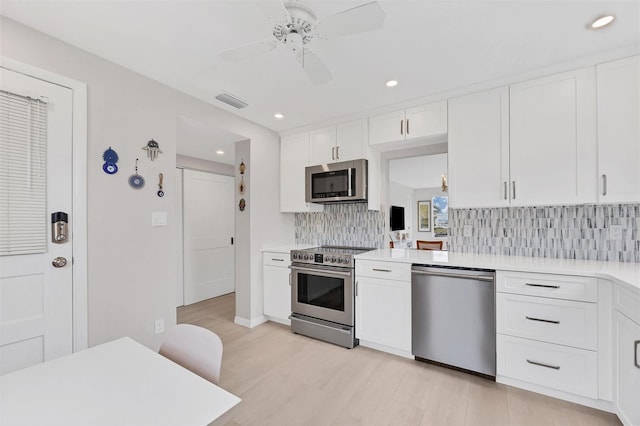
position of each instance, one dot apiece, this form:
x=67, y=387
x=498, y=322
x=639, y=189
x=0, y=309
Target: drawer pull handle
x=380, y=270
x=635, y=353
x=555, y=367
x=278, y=260
x=542, y=320
x=542, y=285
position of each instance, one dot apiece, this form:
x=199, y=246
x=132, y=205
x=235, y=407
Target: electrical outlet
x=467, y=231
x=615, y=232
x=159, y=326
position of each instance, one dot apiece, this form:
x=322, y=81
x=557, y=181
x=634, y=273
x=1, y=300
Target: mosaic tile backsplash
x=566, y=232
x=350, y=225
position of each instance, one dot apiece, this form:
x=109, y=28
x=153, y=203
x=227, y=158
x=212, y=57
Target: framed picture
x=424, y=216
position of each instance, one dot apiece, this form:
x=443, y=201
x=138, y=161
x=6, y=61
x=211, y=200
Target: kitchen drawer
x=276, y=259
x=568, y=287
x=565, y=322
x=627, y=301
x=384, y=270
x=554, y=366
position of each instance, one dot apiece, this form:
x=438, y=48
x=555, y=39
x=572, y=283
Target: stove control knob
x=294, y=256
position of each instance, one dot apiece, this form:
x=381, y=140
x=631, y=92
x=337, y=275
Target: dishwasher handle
x=454, y=275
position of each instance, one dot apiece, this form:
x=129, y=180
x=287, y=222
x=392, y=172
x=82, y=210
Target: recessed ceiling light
x=602, y=21
x=278, y=116
x=391, y=83
x=219, y=152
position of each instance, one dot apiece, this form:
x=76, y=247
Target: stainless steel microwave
x=337, y=182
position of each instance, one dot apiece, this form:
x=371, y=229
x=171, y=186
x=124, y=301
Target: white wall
x=131, y=266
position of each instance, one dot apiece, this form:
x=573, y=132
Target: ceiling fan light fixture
x=278, y=116
x=601, y=22
x=391, y=83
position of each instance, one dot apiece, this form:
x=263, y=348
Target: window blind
x=23, y=172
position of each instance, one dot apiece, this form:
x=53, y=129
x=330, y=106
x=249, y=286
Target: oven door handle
x=297, y=318
x=318, y=271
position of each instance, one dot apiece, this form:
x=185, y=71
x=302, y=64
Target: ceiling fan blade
x=360, y=19
x=247, y=51
x=317, y=72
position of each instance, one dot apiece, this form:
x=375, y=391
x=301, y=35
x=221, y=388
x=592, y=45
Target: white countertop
x=626, y=273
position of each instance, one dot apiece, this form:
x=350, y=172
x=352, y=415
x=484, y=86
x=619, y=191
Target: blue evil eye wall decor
x=110, y=158
x=135, y=180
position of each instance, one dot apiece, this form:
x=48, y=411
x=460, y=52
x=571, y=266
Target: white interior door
x=209, y=255
x=35, y=181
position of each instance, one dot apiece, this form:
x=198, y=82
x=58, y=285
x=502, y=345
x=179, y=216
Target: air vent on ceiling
x=231, y=100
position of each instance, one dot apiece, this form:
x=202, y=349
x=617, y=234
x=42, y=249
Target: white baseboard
x=286, y=322
x=589, y=402
x=250, y=323
x=386, y=349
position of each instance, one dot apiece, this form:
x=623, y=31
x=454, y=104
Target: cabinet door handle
x=555, y=367
x=381, y=270
x=635, y=353
x=542, y=320
x=277, y=260
x=513, y=190
x=604, y=184
x=337, y=152
x=356, y=289
x=505, y=189
x=407, y=126
x=542, y=285
x=333, y=152
x=401, y=127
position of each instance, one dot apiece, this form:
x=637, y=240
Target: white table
x=117, y=383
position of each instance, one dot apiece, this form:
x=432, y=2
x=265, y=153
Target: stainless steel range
x=322, y=294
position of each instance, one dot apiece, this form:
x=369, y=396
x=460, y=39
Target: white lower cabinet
x=383, y=306
x=277, y=288
x=547, y=334
x=627, y=355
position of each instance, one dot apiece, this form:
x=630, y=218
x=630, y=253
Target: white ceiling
x=429, y=46
x=419, y=172
x=200, y=140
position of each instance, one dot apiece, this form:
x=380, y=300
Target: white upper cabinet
x=323, y=145
x=294, y=157
x=553, y=139
x=619, y=130
x=479, y=149
x=343, y=142
x=413, y=123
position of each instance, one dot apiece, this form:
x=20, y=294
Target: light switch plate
x=159, y=219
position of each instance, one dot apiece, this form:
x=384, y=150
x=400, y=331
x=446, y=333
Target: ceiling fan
x=300, y=27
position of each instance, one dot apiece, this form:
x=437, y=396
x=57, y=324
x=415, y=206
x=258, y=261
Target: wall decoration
x=135, y=180
x=160, y=191
x=242, y=204
x=424, y=216
x=242, y=187
x=242, y=167
x=153, y=149
x=110, y=158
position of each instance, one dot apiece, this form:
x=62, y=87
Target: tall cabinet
x=619, y=131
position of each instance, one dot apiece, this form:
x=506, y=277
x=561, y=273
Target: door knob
x=59, y=262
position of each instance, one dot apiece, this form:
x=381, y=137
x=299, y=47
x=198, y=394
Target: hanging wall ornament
x=160, y=191
x=136, y=181
x=110, y=158
x=242, y=187
x=242, y=204
x=153, y=149
x=242, y=167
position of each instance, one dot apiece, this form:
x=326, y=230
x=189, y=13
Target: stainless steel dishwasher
x=453, y=317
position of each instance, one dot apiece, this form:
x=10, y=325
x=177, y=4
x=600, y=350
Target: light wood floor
x=287, y=379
